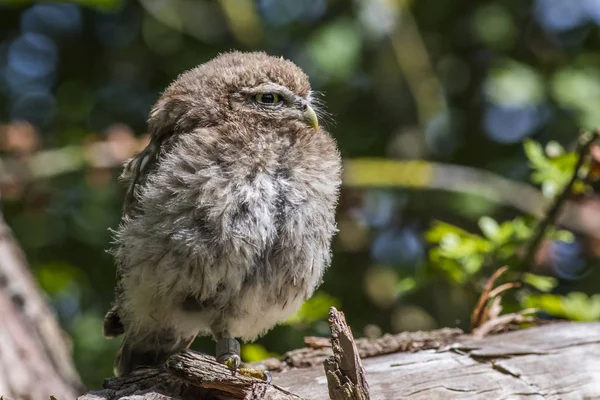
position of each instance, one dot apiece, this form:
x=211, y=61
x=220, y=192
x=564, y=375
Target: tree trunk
x=35, y=356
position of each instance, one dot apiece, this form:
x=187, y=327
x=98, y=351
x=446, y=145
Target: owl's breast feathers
x=227, y=211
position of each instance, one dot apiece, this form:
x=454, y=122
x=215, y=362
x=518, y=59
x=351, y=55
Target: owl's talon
x=268, y=377
x=233, y=362
x=228, y=353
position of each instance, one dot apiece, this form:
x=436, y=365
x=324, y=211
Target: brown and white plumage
x=229, y=216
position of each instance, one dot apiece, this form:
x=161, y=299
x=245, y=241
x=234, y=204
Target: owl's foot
x=233, y=362
x=228, y=353
x=252, y=372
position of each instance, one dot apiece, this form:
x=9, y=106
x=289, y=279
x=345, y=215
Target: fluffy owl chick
x=229, y=217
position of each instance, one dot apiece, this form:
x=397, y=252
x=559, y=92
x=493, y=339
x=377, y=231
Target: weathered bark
x=319, y=348
x=554, y=361
x=35, y=355
x=189, y=375
x=344, y=370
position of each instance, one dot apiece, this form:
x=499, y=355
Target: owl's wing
x=135, y=174
x=164, y=129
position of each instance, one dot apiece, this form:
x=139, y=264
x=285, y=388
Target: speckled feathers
x=201, y=96
x=229, y=218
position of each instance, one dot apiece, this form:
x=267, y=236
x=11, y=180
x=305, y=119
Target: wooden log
x=555, y=361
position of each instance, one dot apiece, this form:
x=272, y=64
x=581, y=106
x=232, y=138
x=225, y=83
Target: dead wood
x=554, y=361
x=344, y=370
x=319, y=348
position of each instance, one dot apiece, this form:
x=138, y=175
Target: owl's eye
x=269, y=99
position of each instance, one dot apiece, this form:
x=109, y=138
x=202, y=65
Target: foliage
x=314, y=309
x=575, y=306
x=462, y=255
x=252, y=352
x=552, y=173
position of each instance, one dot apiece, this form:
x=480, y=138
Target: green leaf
x=522, y=230
x=253, y=352
x=314, y=309
x=566, y=161
x=580, y=307
x=576, y=306
x=506, y=232
x=440, y=229
x=473, y=264
x=489, y=227
x=550, y=303
x=563, y=236
x=535, y=153
x=543, y=283
x=54, y=277
x=554, y=171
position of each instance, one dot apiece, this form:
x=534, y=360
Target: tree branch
x=346, y=376
x=585, y=142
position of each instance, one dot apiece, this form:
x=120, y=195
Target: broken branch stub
x=346, y=378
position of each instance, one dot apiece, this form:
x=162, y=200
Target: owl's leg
x=228, y=353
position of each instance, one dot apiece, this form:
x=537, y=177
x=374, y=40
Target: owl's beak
x=311, y=117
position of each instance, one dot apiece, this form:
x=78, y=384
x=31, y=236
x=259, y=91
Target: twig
x=505, y=323
x=345, y=373
x=503, y=288
x=365, y=173
x=479, y=315
x=585, y=141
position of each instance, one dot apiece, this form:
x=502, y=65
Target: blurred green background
x=456, y=81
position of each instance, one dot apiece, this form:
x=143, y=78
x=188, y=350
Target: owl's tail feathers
x=150, y=351
x=113, y=326
x=135, y=351
x=132, y=356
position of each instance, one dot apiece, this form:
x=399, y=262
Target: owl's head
x=250, y=88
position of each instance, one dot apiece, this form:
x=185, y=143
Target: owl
x=230, y=211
